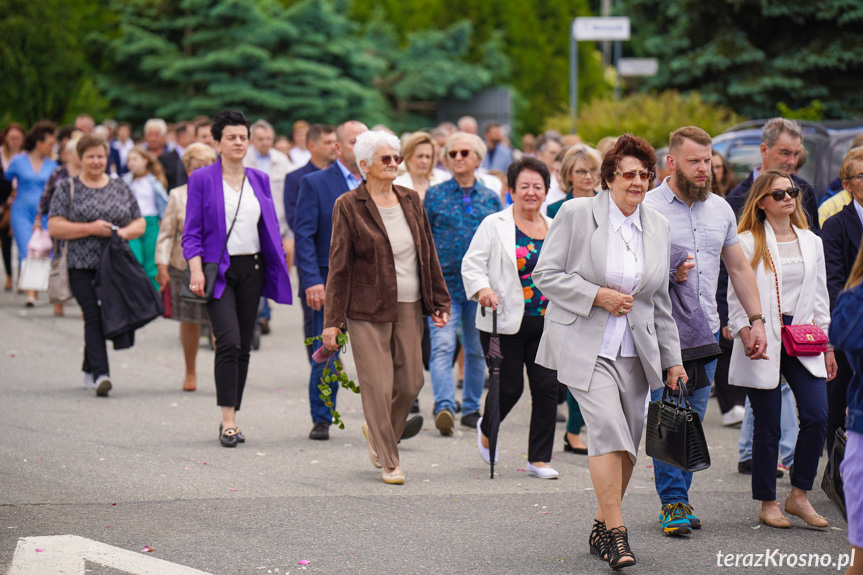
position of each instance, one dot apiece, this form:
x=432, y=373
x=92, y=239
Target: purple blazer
x=205, y=230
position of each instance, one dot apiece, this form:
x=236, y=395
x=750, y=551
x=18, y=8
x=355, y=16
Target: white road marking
x=66, y=554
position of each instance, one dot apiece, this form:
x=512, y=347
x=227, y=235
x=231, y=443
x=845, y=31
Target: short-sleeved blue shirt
x=454, y=215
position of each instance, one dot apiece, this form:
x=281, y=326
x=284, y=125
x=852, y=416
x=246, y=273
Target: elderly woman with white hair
x=384, y=276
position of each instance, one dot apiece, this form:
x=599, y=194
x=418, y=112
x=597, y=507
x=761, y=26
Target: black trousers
x=6, y=244
x=95, y=348
x=519, y=350
x=837, y=398
x=727, y=396
x=233, y=318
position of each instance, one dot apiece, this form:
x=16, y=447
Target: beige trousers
x=388, y=359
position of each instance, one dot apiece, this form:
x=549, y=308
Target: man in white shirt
x=300, y=154
x=548, y=146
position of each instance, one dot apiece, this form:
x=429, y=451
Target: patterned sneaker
x=694, y=521
x=674, y=521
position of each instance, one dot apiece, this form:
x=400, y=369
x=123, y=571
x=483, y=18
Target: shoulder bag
x=674, y=432
x=799, y=340
x=59, y=290
x=211, y=269
x=831, y=482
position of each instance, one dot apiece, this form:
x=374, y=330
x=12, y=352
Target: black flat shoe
x=229, y=437
x=240, y=437
x=568, y=448
x=598, y=540
x=619, y=553
x=413, y=426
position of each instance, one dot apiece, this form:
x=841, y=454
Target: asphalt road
x=144, y=467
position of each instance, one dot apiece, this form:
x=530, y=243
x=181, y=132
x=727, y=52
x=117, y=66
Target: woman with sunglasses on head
x=231, y=220
x=788, y=260
x=384, y=276
x=608, y=331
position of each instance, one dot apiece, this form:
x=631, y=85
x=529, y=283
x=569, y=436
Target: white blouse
x=146, y=196
x=244, y=238
x=624, y=264
x=792, y=275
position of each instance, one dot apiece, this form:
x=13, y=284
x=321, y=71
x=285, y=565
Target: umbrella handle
x=493, y=320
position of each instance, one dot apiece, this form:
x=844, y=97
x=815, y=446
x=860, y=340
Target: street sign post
x=637, y=66
x=590, y=29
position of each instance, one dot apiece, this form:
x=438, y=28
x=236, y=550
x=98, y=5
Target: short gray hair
x=368, y=144
x=774, y=128
x=478, y=145
x=156, y=124
x=262, y=124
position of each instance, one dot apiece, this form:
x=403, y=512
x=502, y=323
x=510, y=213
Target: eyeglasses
x=858, y=177
x=779, y=195
x=397, y=159
x=629, y=176
x=585, y=173
x=454, y=153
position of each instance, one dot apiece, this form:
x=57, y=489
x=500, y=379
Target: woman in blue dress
x=31, y=170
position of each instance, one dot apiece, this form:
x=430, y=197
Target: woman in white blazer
x=774, y=235
x=497, y=272
x=420, y=172
x=608, y=328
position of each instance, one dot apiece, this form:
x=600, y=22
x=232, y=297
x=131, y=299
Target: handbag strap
x=776, y=281
x=234, y=221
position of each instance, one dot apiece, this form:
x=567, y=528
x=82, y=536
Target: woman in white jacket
x=497, y=272
x=774, y=235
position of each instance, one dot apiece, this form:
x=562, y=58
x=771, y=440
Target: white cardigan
x=490, y=262
x=812, y=307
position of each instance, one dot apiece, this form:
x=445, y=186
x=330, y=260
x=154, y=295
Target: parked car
x=826, y=142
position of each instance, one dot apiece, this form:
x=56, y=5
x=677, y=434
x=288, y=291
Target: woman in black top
x=85, y=219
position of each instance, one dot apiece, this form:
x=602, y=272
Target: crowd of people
x=607, y=273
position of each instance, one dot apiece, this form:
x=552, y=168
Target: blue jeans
x=320, y=412
x=788, y=429
x=442, y=351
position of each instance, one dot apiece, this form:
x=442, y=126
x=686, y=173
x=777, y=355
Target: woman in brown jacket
x=170, y=263
x=384, y=275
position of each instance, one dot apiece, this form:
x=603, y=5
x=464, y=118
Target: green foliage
x=650, y=116
x=814, y=112
x=752, y=54
x=337, y=375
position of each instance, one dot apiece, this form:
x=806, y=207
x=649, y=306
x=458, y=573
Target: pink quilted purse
x=799, y=340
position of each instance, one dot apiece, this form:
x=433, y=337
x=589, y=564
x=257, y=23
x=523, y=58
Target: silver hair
x=101, y=131
x=262, y=124
x=479, y=146
x=369, y=142
x=72, y=145
x=774, y=128
x=156, y=124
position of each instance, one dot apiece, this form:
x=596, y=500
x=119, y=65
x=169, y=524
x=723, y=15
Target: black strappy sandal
x=598, y=540
x=619, y=553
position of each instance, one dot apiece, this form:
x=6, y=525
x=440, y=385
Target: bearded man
x=704, y=225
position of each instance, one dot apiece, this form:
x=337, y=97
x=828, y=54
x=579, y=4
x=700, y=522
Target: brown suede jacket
x=362, y=278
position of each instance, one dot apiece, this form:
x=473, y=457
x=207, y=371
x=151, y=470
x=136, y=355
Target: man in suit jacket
x=155, y=135
x=322, y=145
x=313, y=228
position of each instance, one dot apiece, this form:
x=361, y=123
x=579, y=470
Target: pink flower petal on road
x=39, y=550
x=303, y=562
x=147, y=549
x=231, y=489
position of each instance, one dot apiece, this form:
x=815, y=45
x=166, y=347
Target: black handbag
x=210, y=269
x=674, y=432
x=831, y=483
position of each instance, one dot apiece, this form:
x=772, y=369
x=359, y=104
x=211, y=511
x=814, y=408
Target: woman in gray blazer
x=608, y=326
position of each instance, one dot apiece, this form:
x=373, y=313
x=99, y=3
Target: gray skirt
x=183, y=310
x=613, y=406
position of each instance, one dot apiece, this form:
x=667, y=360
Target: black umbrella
x=492, y=400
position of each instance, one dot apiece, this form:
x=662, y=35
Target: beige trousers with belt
x=388, y=359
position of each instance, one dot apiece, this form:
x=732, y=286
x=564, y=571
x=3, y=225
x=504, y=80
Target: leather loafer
x=320, y=431
x=397, y=477
x=413, y=426
x=444, y=420
x=567, y=447
x=373, y=455
x=542, y=472
x=229, y=437
x=812, y=519
x=780, y=522
x=240, y=437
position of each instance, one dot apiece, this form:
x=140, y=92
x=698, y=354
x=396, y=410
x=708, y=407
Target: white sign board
x=599, y=29
x=637, y=66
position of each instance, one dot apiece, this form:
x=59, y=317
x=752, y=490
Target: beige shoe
x=397, y=477
x=780, y=522
x=812, y=519
x=373, y=455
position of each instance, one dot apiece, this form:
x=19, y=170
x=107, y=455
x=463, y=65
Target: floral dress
x=526, y=253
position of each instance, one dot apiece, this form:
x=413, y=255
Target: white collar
x=617, y=219
x=858, y=207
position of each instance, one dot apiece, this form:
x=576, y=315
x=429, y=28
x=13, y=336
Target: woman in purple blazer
x=231, y=219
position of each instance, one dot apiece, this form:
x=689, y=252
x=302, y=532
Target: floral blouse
x=526, y=253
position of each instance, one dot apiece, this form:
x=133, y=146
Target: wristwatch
x=757, y=317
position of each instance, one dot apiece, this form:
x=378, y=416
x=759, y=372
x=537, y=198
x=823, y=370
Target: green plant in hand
x=336, y=375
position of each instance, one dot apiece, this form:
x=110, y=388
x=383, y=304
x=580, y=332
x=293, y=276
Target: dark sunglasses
x=397, y=159
x=779, y=195
x=629, y=176
x=454, y=153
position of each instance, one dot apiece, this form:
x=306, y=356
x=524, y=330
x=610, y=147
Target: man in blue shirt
x=499, y=155
x=455, y=209
x=313, y=230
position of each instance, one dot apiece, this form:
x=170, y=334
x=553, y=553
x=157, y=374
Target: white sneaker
x=89, y=382
x=542, y=472
x=733, y=416
x=484, y=452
